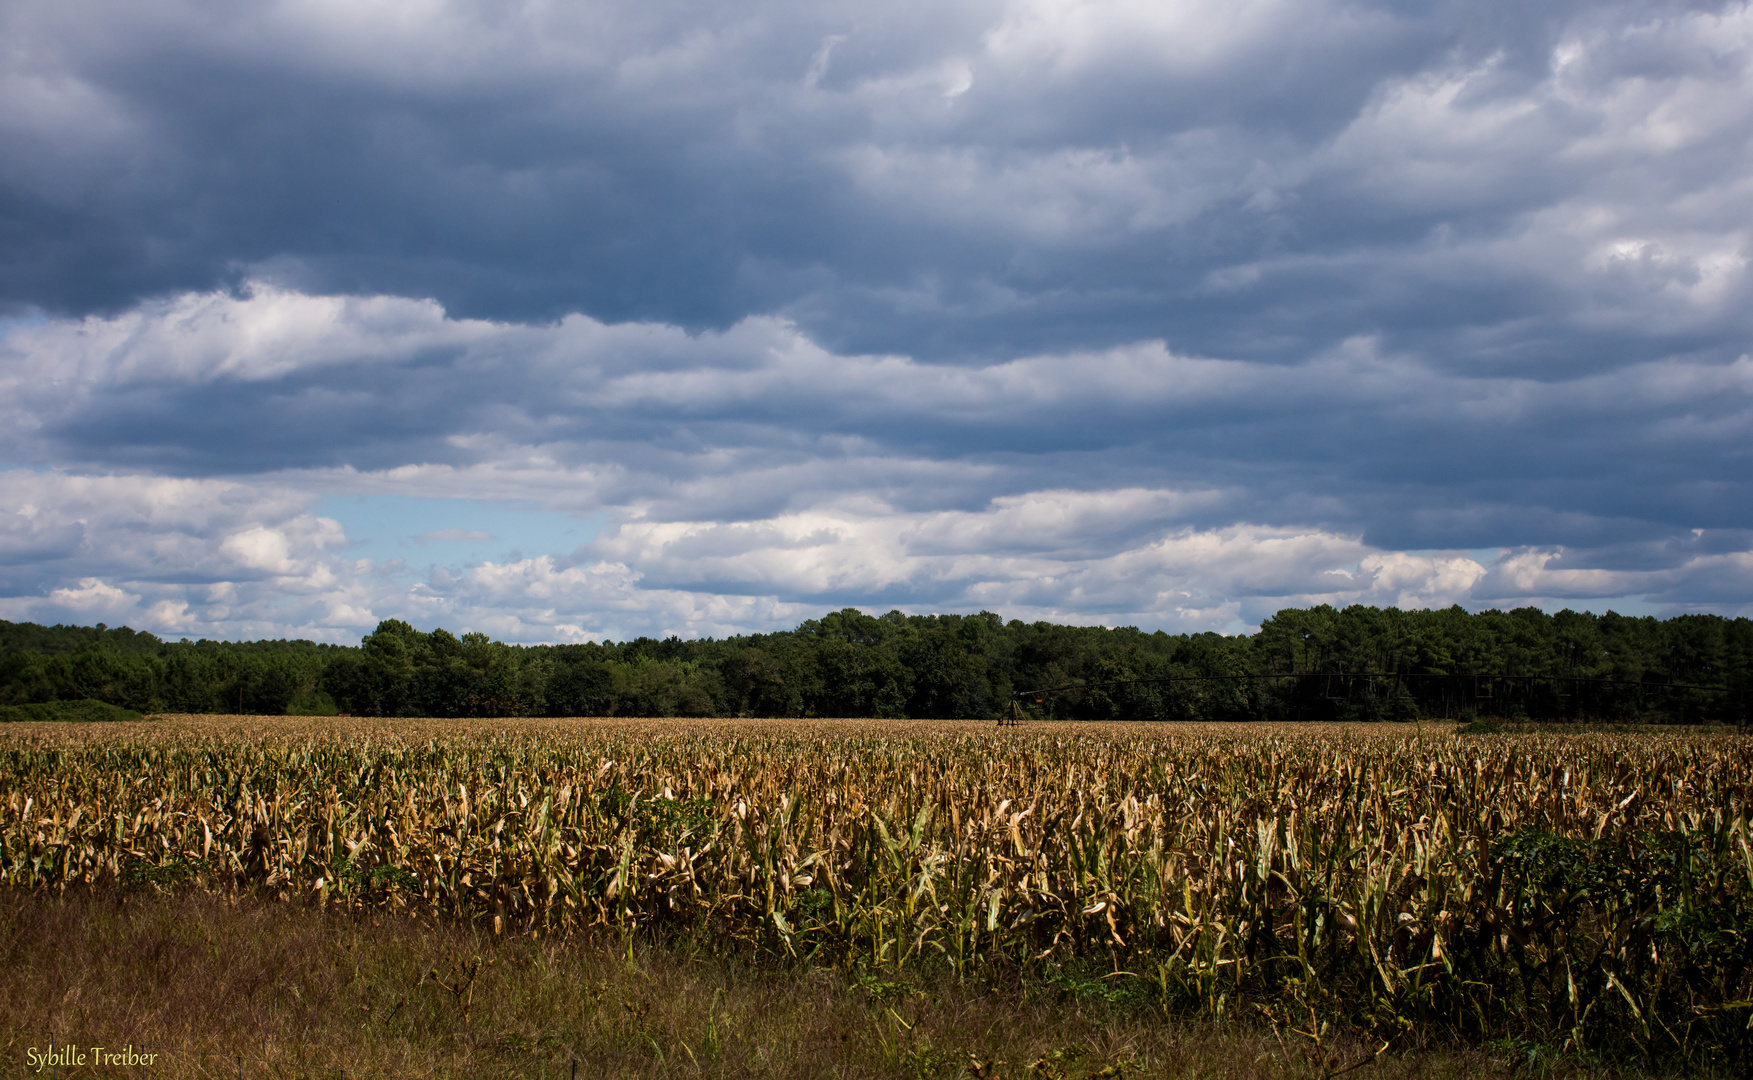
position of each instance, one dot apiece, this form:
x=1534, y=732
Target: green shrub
x=85, y=712
x=318, y=704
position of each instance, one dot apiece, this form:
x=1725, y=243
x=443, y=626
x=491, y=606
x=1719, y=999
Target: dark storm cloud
x=940, y=181
x=1159, y=310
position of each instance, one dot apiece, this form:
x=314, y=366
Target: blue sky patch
x=453, y=532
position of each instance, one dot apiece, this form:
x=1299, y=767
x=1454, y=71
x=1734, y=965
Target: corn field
x=1588, y=892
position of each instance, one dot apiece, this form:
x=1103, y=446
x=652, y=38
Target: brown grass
x=288, y=990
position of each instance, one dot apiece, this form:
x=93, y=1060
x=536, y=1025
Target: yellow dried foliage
x=1209, y=862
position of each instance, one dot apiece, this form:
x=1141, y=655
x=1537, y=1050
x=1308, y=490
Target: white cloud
x=93, y=597
x=752, y=476
x=1185, y=36
x=1066, y=555
x=263, y=333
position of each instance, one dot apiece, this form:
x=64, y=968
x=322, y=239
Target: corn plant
x=1585, y=891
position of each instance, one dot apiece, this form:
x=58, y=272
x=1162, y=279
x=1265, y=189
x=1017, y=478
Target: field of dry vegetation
x=1348, y=895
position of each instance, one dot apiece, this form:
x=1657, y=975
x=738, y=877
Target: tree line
x=1321, y=663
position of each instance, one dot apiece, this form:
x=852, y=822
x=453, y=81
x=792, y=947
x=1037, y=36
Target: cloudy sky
x=585, y=319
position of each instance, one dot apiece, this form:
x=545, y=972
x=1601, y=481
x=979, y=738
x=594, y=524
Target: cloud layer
x=1167, y=313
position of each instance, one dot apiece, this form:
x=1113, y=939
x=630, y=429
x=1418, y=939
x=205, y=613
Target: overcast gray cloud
x=1153, y=312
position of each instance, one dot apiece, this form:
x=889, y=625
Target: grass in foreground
x=286, y=990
